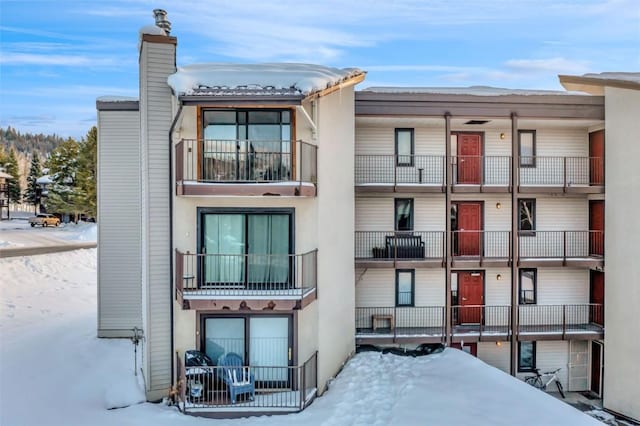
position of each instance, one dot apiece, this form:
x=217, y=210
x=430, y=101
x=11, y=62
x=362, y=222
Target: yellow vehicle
x=44, y=220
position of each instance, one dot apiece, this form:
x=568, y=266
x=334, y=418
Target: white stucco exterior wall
x=622, y=279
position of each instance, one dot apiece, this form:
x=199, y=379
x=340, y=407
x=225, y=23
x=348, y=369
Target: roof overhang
x=595, y=86
x=433, y=104
x=242, y=100
x=117, y=105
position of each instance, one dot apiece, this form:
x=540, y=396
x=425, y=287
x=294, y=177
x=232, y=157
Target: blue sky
x=57, y=56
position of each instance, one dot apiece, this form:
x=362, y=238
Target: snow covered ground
x=54, y=371
x=18, y=233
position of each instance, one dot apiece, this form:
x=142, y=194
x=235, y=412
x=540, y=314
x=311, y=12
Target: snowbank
x=54, y=371
x=471, y=90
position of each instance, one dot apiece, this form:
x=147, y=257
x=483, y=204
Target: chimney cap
x=160, y=16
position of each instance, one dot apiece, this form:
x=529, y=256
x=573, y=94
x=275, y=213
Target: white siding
x=376, y=287
x=551, y=355
x=497, y=356
x=377, y=214
x=560, y=286
x=558, y=142
x=381, y=140
x=561, y=214
x=119, y=258
x=497, y=291
x=157, y=62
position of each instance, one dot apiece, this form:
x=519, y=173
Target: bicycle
x=542, y=380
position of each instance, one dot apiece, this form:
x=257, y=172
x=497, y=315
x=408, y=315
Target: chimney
x=161, y=20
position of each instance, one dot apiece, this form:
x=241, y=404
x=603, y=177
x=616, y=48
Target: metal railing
x=4, y=187
x=481, y=244
x=242, y=274
x=561, y=244
x=481, y=319
x=245, y=161
x=576, y=318
x=481, y=170
x=399, y=169
x=288, y=388
x=401, y=320
x=561, y=171
x=391, y=245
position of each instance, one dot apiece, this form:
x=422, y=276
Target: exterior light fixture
x=498, y=205
x=498, y=277
x=498, y=343
x=502, y=136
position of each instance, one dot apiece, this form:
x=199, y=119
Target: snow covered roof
x=117, y=99
x=471, y=90
x=224, y=79
x=152, y=30
x=594, y=83
x=5, y=175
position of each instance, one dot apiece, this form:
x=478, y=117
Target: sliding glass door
x=261, y=341
x=247, y=250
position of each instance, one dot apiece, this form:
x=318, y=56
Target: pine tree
x=32, y=191
x=64, y=195
x=13, y=185
x=87, y=172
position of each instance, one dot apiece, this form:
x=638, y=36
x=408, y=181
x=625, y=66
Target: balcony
x=581, y=175
x=399, y=173
x=399, y=249
x=582, y=321
x=561, y=248
x=480, y=248
x=246, y=168
x=246, y=281
x=473, y=323
x=472, y=173
x=203, y=392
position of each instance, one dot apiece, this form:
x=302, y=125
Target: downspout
x=171, y=194
x=515, y=255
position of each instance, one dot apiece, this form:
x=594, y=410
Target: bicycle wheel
x=534, y=381
x=560, y=388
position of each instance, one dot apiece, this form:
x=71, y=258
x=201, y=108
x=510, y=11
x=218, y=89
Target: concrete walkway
x=34, y=250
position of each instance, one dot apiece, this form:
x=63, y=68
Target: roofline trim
x=612, y=82
x=118, y=105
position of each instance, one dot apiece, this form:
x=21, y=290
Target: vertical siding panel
x=497, y=356
x=119, y=259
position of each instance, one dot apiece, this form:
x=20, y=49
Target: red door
x=596, y=297
x=596, y=157
x=469, y=158
x=469, y=227
x=596, y=226
x=470, y=297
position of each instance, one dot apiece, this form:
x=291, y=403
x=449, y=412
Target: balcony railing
x=561, y=171
x=479, y=320
x=481, y=170
x=399, y=170
x=481, y=244
x=3, y=187
x=401, y=321
x=561, y=244
x=232, y=275
x=277, y=389
x=560, y=319
x=246, y=161
x=394, y=245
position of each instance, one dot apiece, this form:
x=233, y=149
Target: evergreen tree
x=87, y=172
x=64, y=195
x=32, y=191
x=13, y=185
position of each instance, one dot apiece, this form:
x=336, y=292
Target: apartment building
x=229, y=244
x=4, y=194
x=480, y=224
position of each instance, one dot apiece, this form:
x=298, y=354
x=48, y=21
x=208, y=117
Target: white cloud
x=548, y=65
x=57, y=60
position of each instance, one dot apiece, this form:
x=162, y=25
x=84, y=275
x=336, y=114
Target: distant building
x=4, y=195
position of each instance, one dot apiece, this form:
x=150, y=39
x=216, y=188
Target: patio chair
x=239, y=379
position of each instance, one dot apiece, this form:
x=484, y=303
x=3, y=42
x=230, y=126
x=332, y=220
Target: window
x=528, y=279
x=405, y=284
x=527, y=146
x=527, y=223
x=404, y=214
x=526, y=356
x=404, y=147
x=246, y=249
x=246, y=145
